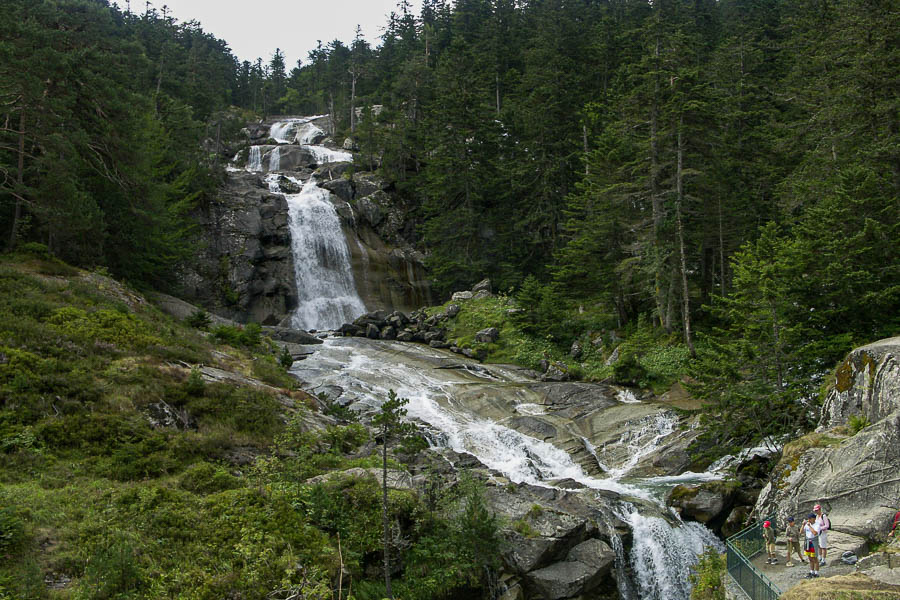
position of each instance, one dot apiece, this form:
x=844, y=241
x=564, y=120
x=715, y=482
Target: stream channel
x=577, y=438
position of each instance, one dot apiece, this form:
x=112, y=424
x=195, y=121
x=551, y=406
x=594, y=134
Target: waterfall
x=326, y=290
x=254, y=163
x=298, y=130
x=662, y=554
x=326, y=155
x=275, y=159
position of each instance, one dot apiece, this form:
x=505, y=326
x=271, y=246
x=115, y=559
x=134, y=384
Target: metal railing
x=740, y=550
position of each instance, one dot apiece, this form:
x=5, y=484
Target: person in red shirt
x=894, y=526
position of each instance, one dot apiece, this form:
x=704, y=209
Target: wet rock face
x=849, y=473
x=243, y=269
x=388, y=272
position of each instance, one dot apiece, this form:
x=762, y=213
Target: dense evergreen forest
x=719, y=177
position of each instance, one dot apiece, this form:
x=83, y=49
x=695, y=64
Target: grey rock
x=586, y=565
x=533, y=426
x=388, y=333
x=348, y=144
x=849, y=475
x=370, y=210
x=700, y=502
x=867, y=385
x=483, y=285
x=372, y=331
x=489, y=335
x=576, y=350
x=330, y=171
x=367, y=184
x=286, y=334
x=613, y=358
x=434, y=335
x=438, y=344
x=556, y=372
x=452, y=310
x=464, y=295
x=481, y=294
x=342, y=188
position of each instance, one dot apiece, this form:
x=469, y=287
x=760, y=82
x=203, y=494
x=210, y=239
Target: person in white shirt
x=811, y=533
x=823, y=524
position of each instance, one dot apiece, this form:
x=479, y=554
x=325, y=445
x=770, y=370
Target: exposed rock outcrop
x=856, y=477
x=243, y=269
x=389, y=272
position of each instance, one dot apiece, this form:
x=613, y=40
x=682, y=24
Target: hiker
x=811, y=534
x=792, y=533
x=894, y=526
x=769, y=536
x=823, y=524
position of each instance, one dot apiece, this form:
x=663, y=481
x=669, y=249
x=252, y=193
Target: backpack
x=826, y=521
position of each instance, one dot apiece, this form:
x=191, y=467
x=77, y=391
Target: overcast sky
x=254, y=28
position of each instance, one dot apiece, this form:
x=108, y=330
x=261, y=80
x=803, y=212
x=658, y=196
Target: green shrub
x=112, y=571
x=266, y=368
x=286, y=360
x=12, y=530
x=857, y=423
x=248, y=336
x=35, y=249
x=204, y=478
x=124, y=330
x=195, y=384
x=707, y=577
x=628, y=371
x=199, y=319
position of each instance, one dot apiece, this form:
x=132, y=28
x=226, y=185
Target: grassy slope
x=97, y=503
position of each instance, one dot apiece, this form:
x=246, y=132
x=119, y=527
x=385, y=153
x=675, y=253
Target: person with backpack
x=823, y=524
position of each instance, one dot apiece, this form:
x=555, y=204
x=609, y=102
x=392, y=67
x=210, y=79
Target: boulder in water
x=704, y=502
x=372, y=331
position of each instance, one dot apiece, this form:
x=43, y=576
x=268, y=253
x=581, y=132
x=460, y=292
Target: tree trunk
x=685, y=297
x=20, y=180
x=655, y=197
x=721, y=248
x=353, y=76
x=384, y=514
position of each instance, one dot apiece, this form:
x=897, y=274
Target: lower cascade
x=469, y=410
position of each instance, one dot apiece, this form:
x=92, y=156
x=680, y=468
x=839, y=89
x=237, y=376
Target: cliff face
x=855, y=475
x=243, y=269
x=389, y=273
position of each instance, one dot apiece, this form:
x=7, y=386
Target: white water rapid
x=452, y=401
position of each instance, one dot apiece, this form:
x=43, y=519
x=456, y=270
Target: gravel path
x=787, y=577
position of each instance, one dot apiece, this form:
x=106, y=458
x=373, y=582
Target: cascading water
x=275, y=159
x=662, y=553
x=326, y=290
x=254, y=162
x=327, y=296
x=656, y=543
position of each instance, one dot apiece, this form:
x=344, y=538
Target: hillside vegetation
x=127, y=472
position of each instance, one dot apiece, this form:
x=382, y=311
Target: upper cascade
x=300, y=142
